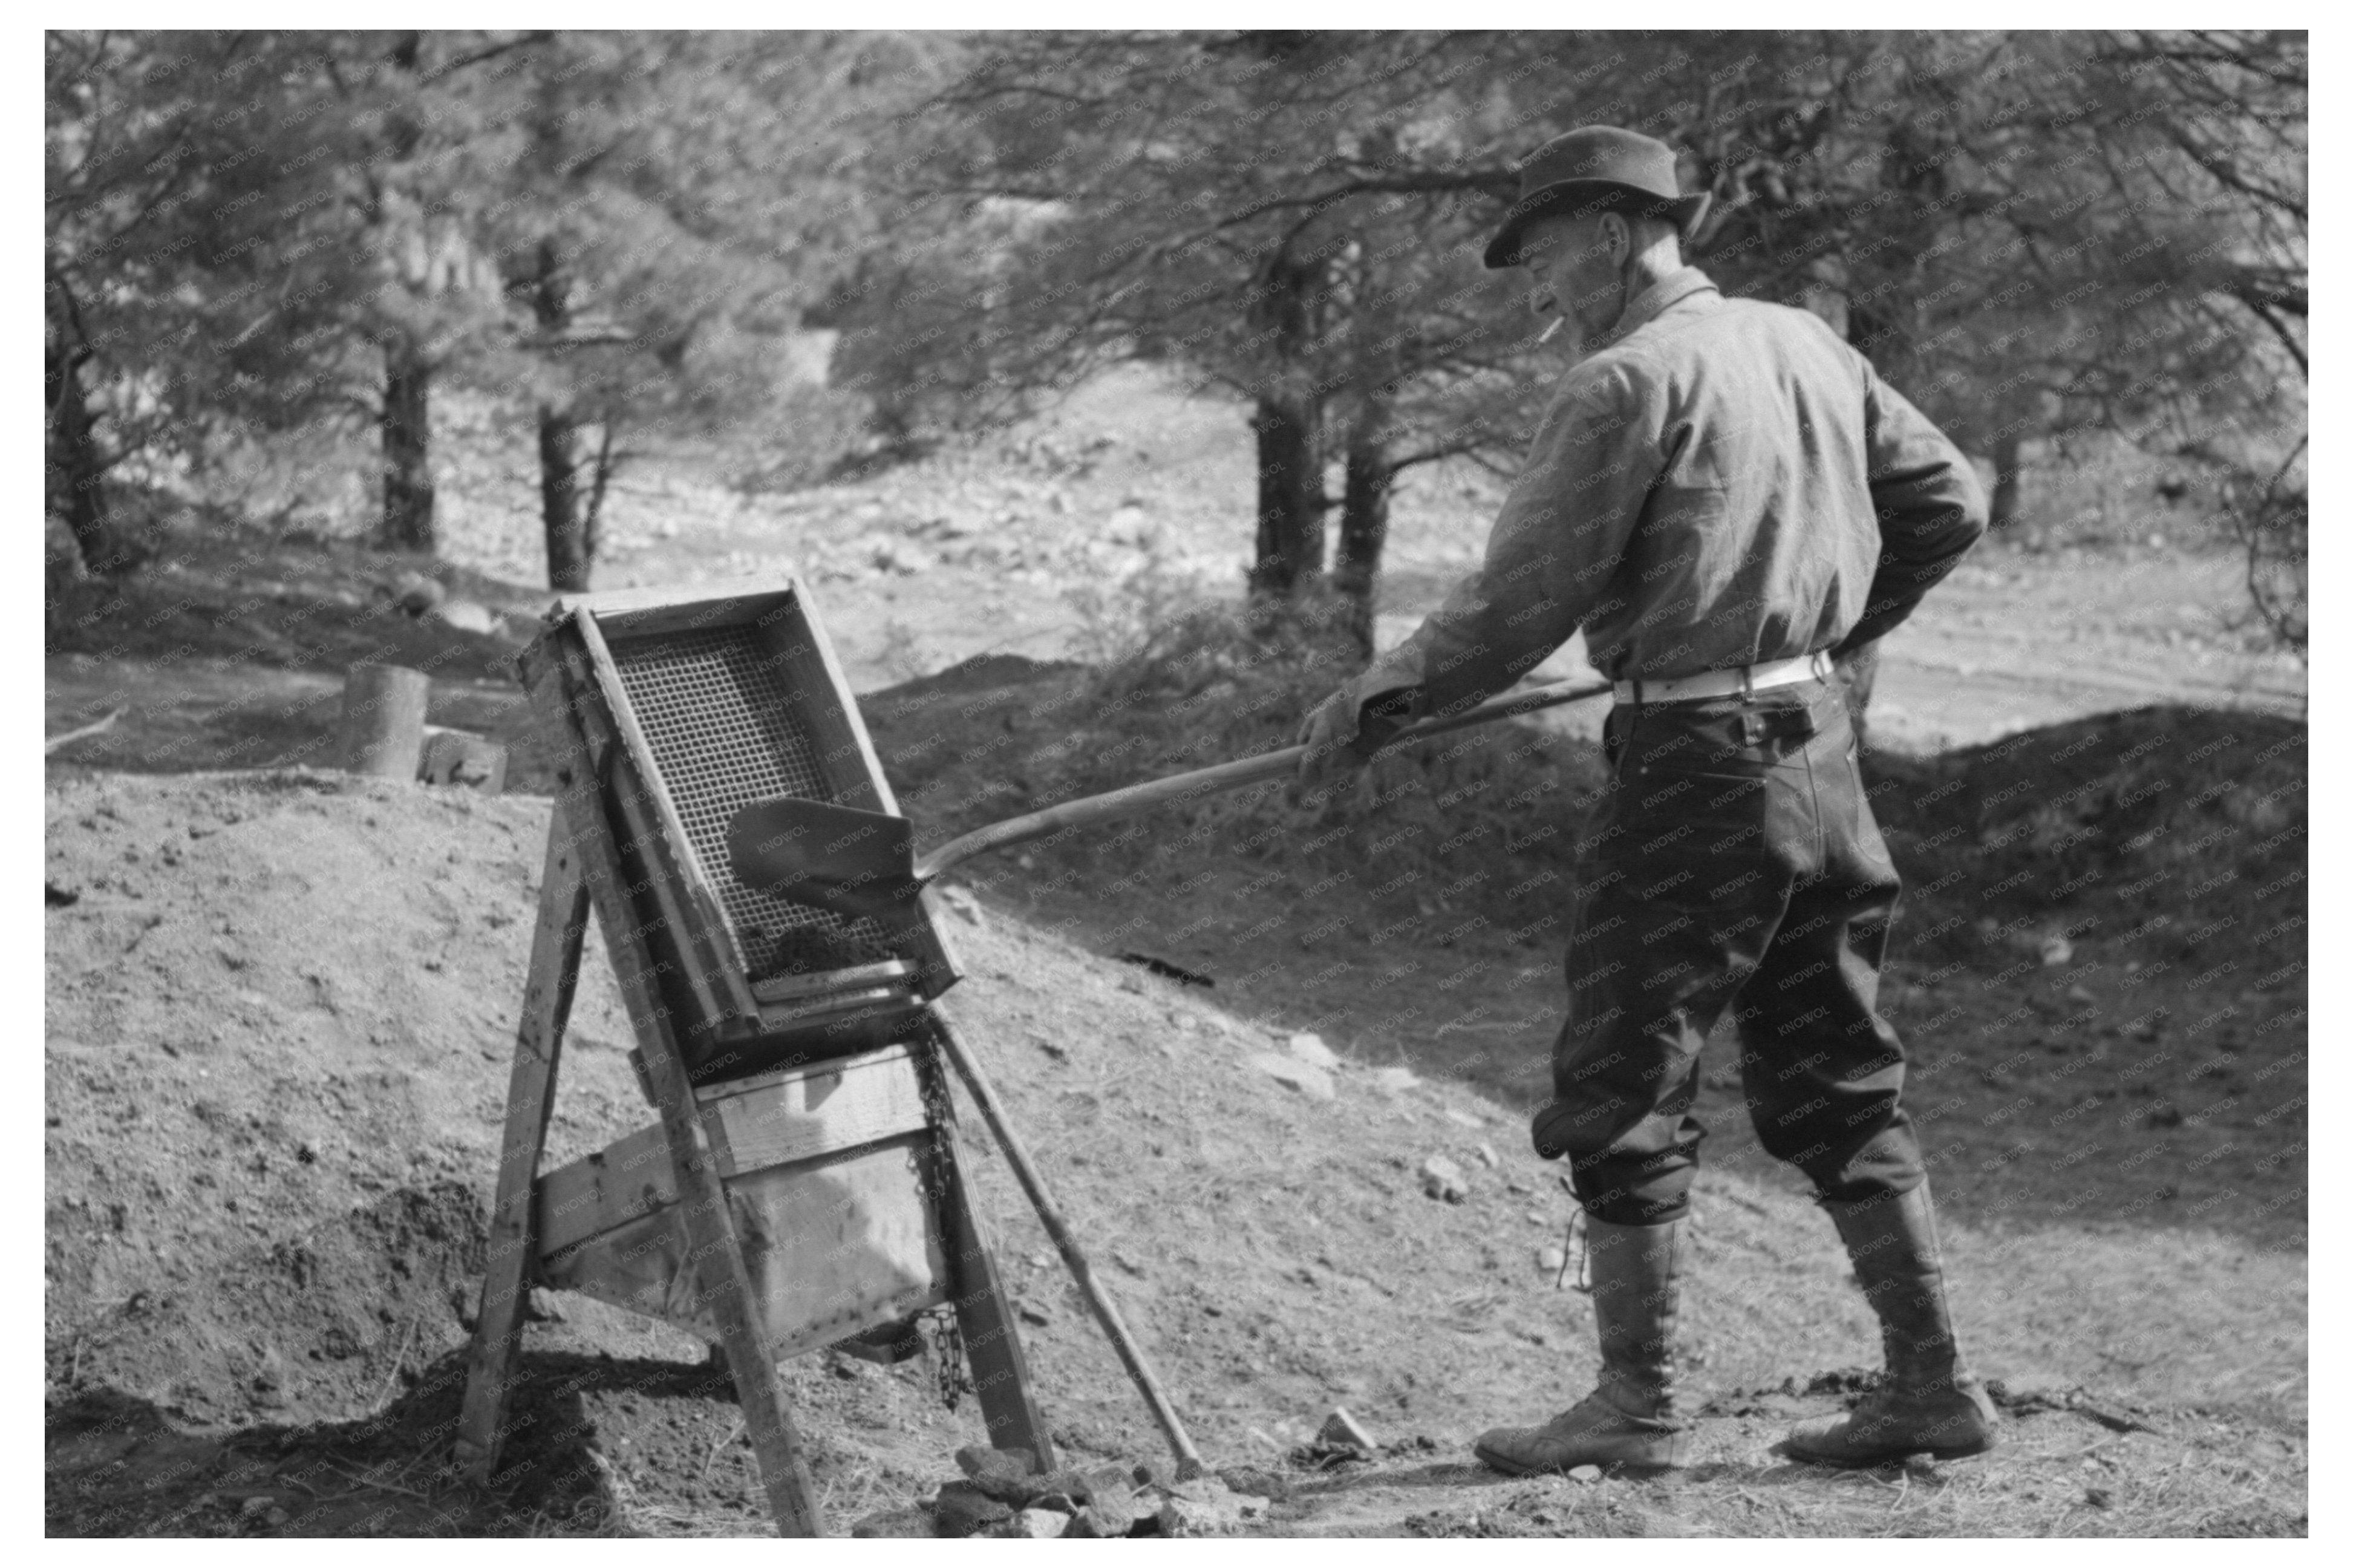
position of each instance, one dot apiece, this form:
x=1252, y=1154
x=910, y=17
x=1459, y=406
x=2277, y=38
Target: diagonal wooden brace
x=1115, y=1327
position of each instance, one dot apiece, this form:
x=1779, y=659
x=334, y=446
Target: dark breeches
x=1734, y=864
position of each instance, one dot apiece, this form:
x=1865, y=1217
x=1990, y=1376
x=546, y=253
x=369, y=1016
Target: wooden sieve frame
x=728, y=1022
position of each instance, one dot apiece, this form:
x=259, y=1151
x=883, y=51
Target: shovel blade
x=851, y=862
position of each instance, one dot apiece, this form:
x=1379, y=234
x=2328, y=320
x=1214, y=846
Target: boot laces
x=1577, y=1246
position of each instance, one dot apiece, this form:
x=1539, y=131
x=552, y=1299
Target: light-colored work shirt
x=1718, y=483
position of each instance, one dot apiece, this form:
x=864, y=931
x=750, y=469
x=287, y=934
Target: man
x=1727, y=499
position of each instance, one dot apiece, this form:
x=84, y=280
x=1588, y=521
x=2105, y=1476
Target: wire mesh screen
x=718, y=713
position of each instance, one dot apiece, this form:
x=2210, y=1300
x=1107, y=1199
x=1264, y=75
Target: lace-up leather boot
x=1928, y=1403
x=1632, y=1417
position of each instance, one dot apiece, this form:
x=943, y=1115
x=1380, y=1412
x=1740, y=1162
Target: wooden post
x=384, y=720
x=531, y=1095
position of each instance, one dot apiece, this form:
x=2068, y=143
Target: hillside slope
x=280, y=1014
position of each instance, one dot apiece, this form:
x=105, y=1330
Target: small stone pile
x=1004, y=1494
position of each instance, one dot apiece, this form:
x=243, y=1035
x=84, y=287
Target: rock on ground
x=1311, y=1049
x=465, y=615
x=962, y=1509
x=1442, y=1178
x=1342, y=1427
x=1311, y=1081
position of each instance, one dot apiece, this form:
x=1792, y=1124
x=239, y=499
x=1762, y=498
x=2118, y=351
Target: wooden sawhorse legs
x=555, y=974
x=580, y=871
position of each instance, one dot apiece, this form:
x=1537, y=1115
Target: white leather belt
x=1745, y=678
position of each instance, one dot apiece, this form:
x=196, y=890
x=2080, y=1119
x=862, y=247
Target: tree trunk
x=571, y=550
x=1364, y=526
x=1290, y=497
x=2006, y=477
x=567, y=509
x=571, y=497
x=1289, y=421
x=407, y=466
x=77, y=478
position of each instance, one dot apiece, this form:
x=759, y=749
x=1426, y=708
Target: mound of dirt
x=323, y=1325
x=281, y=1015
x=2181, y=826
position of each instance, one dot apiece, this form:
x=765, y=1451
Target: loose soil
x=280, y=1005
x=272, y=1133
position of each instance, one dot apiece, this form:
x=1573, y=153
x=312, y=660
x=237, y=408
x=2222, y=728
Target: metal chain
x=948, y=1357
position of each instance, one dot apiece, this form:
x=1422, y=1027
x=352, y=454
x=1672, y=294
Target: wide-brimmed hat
x=1596, y=168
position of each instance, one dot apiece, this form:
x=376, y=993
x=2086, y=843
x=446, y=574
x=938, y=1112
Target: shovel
x=858, y=863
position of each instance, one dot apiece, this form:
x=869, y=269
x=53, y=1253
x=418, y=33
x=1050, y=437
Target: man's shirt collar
x=1648, y=305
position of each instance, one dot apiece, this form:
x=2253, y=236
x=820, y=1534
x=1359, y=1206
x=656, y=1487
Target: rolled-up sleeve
x=1556, y=545
x=1930, y=505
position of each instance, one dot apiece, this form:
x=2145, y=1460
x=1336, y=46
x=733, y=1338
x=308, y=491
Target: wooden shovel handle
x=1193, y=786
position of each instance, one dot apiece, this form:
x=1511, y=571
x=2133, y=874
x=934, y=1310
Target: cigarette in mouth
x=1545, y=335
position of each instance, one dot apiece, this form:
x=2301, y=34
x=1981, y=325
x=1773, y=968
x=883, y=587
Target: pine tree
x=675, y=201
x=188, y=272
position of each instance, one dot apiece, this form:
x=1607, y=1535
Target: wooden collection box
x=832, y=1180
